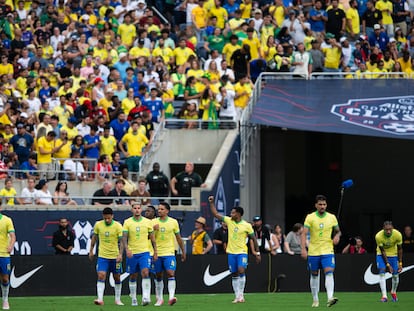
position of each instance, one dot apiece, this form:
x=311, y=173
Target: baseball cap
x=377, y=26
x=141, y=41
x=257, y=218
x=24, y=115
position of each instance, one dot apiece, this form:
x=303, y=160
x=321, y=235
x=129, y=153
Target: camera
x=352, y=241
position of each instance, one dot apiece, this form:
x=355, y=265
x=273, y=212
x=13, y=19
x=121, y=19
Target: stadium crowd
x=92, y=79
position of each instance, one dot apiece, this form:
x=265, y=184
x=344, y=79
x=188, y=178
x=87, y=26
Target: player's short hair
x=166, y=205
x=239, y=210
x=152, y=208
x=388, y=223
x=107, y=211
x=320, y=197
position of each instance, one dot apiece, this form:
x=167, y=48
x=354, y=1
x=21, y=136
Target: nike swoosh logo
x=210, y=280
x=371, y=278
x=16, y=281
x=112, y=281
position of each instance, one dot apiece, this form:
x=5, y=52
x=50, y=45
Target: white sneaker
x=6, y=305
x=159, y=303
x=119, y=303
x=134, y=302
x=315, y=304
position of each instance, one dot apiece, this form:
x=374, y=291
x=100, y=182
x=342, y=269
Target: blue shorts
x=393, y=260
x=108, y=265
x=138, y=262
x=321, y=262
x=164, y=263
x=5, y=267
x=236, y=261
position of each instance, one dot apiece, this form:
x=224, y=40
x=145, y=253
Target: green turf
x=272, y=301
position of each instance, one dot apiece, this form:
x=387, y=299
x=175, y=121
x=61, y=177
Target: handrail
x=160, y=14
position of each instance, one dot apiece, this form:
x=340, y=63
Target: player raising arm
x=389, y=244
x=238, y=231
x=109, y=233
x=321, y=225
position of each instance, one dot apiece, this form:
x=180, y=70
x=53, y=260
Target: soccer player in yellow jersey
x=166, y=232
x=321, y=225
x=389, y=258
x=137, y=230
x=7, y=240
x=238, y=231
x=109, y=233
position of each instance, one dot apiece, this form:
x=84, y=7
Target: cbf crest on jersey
x=394, y=115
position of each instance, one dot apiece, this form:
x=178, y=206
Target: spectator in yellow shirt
x=8, y=192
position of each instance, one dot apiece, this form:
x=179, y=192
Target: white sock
x=171, y=288
x=100, y=288
x=159, y=288
x=383, y=285
x=5, y=291
x=394, y=284
x=133, y=289
x=146, y=288
x=329, y=285
x=314, y=285
x=118, y=289
x=235, y=284
x=242, y=284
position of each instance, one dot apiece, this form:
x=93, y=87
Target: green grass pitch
x=217, y=302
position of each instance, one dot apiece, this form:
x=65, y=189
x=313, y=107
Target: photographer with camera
x=354, y=246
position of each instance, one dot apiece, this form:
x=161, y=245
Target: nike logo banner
x=372, y=279
x=210, y=280
x=16, y=281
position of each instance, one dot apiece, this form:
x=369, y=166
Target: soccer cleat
x=315, y=304
x=145, y=302
x=159, y=303
x=98, y=302
x=119, y=303
x=241, y=299
x=384, y=299
x=6, y=305
x=332, y=301
x=172, y=301
x=394, y=297
x=134, y=302
x=236, y=300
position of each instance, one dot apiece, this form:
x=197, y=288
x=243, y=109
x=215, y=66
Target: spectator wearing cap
x=332, y=52
x=22, y=143
x=386, y=8
x=369, y=18
x=336, y=22
x=199, y=239
x=353, y=21
x=122, y=65
x=98, y=91
x=262, y=234
x=347, y=50
x=379, y=38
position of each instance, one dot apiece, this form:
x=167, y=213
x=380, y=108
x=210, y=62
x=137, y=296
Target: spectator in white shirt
x=28, y=193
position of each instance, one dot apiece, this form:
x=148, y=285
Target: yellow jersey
x=320, y=228
x=6, y=227
x=237, y=235
x=9, y=194
x=48, y=147
x=135, y=143
x=108, y=145
x=127, y=33
x=108, y=236
x=228, y=51
x=389, y=243
x=181, y=55
x=138, y=234
x=165, y=235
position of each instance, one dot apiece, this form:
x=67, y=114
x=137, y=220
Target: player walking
x=7, y=240
x=238, y=231
x=109, y=233
x=389, y=245
x=136, y=232
x=166, y=230
x=321, y=225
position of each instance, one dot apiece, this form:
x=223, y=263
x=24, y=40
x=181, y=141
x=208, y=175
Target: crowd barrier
x=76, y=276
